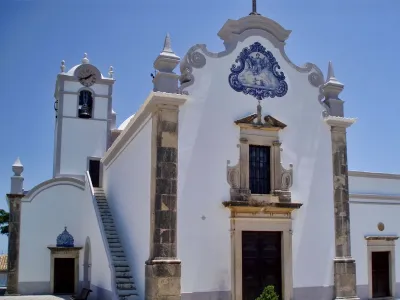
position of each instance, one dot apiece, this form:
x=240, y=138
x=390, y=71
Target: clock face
x=87, y=76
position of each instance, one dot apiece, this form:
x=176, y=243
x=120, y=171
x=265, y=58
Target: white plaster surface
x=45, y=217
x=208, y=138
x=81, y=138
x=366, y=213
x=127, y=185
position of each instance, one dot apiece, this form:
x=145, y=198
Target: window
x=259, y=169
x=85, y=105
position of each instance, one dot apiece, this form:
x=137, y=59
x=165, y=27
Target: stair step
x=114, y=245
x=122, y=280
x=122, y=269
x=123, y=274
x=130, y=297
x=127, y=292
x=126, y=286
x=112, y=240
x=121, y=264
x=117, y=258
x=116, y=251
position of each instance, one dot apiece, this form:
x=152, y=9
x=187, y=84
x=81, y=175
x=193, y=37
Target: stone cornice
x=153, y=101
x=381, y=237
x=235, y=27
x=374, y=175
x=339, y=121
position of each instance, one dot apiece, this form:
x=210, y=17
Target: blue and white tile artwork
x=256, y=73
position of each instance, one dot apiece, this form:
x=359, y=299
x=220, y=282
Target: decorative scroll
x=286, y=178
x=233, y=176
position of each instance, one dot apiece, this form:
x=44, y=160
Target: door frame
x=382, y=244
x=64, y=252
x=89, y=158
x=261, y=222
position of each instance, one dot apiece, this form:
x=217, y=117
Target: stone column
x=163, y=269
x=344, y=264
x=14, y=227
x=276, y=167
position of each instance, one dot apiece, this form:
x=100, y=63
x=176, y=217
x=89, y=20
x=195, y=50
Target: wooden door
x=64, y=276
x=261, y=263
x=380, y=274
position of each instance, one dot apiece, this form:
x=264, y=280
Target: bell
x=84, y=112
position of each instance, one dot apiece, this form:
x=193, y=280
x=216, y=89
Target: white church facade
x=231, y=176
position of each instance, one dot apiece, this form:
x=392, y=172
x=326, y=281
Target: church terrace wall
x=209, y=138
x=375, y=210
x=127, y=186
x=59, y=205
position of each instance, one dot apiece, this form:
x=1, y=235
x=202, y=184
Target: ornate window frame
x=255, y=132
x=382, y=244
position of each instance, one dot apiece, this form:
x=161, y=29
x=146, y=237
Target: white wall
x=127, y=185
x=366, y=212
x=99, y=89
x=44, y=218
x=208, y=138
x=81, y=138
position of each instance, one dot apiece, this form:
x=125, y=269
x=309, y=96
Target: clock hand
x=87, y=77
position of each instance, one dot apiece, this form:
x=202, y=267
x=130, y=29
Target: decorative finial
x=332, y=88
x=111, y=72
x=62, y=67
x=331, y=72
x=85, y=59
x=331, y=79
x=167, y=44
x=17, y=167
x=254, y=11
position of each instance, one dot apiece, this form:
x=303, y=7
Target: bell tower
x=84, y=119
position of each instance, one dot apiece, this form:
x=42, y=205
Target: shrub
x=268, y=294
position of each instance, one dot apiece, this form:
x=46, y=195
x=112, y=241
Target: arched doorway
x=87, y=262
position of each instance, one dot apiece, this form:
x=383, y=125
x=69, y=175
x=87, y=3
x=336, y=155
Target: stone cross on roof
x=254, y=11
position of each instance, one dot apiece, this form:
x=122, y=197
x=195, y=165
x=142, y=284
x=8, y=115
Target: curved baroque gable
x=235, y=31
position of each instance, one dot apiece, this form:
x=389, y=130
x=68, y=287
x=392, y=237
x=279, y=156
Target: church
x=232, y=176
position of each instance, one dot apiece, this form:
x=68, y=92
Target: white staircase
x=125, y=285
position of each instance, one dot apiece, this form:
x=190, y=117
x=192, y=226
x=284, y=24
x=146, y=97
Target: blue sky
x=359, y=36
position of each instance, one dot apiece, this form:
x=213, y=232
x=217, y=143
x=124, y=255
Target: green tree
x=4, y=218
x=268, y=294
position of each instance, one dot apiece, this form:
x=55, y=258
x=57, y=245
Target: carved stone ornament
x=286, y=178
x=256, y=73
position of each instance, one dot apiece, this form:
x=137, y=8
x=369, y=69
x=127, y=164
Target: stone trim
x=61, y=252
x=50, y=183
x=251, y=222
x=374, y=175
x=375, y=196
x=13, y=243
x=146, y=110
x=382, y=244
x=163, y=269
